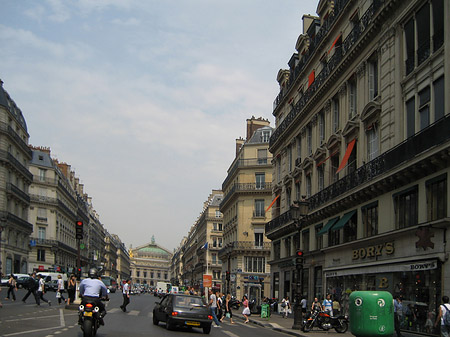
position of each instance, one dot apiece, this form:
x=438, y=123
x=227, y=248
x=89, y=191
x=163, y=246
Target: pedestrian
x=316, y=306
x=336, y=306
x=398, y=312
x=285, y=307
x=41, y=291
x=219, y=306
x=12, y=286
x=71, y=288
x=60, y=290
x=444, y=309
x=303, y=303
x=228, y=313
x=213, y=307
x=126, y=295
x=246, y=311
x=327, y=305
x=32, y=285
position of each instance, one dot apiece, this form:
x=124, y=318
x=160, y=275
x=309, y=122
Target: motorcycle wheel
x=306, y=327
x=87, y=328
x=342, y=328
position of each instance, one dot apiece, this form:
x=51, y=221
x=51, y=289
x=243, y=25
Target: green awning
x=341, y=223
x=328, y=226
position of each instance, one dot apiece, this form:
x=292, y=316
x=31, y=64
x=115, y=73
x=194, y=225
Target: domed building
x=150, y=263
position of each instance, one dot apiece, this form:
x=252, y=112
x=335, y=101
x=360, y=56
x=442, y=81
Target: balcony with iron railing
x=9, y=158
x=15, y=220
x=244, y=247
x=245, y=188
x=251, y=162
x=325, y=75
x=13, y=189
x=430, y=137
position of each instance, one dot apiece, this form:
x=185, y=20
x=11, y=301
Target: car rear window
x=188, y=301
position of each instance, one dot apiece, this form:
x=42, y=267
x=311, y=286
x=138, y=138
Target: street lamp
x=298, y=212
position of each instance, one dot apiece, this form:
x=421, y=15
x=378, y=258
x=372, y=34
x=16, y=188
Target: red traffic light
x=79, y=223
x=299, y=253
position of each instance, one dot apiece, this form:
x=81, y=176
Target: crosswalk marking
x=134, y=312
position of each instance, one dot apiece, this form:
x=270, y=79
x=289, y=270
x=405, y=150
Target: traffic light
x=79, y=273
x=227, y=275
x=79, y=230
x=299, y=258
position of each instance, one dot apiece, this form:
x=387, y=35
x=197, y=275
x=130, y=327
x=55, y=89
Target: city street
x=19, y=319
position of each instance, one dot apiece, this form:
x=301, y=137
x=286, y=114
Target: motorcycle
x=234, y=303
x=89, y=317
x=325, y=322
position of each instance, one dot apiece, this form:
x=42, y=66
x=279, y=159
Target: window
x=370, y=219
x=219, y=242
x=214, y=258
x=259, y=208
x=218, y=214
x=309, y=139
x=352, y=98
x=276, y=250
x=145, y=274
x=437, y=198
x=410, y=46
x=334, y=238
x=220, y=227
x=152, y=274
x=350, y=229
x=319, y=238
x=423, y=33
x=266, y=136
x=318, y=282
x=276, y=284
x=372, y=142
x=373, y=78
x=297, y=191
x=352, y=164
x=287, y=247
x=259, y=239
x=262, y=156
x=308, y=186
x=260, y=180
x=214, y=242
x=410, y=117
x=305, y=240
x=254, y=264
x=405, y=205
x=289, y=155
x=320, y=175
x=165, y=276
x=299, y=146
x=334, y=166
x=438, y=23
x=321, y=127
x=439, y=98
x=424, y=108
x=335, y=114
x=41, y=255
x=42, y=233
x=278, y=169
x=288, y=196
x=159, y=275
x=42, y=213
x=138, y=273
x=42, y=174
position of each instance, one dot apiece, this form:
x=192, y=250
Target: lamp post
x=298, y=211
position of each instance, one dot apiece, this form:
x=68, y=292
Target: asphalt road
x=19, y=319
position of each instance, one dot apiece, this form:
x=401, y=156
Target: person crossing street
x=126, y=295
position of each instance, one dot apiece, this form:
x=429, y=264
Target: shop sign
x=373, y=251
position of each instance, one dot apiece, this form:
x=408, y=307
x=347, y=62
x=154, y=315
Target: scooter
x=325, y=322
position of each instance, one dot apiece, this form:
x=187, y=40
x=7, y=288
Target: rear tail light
x=210, y=317
x=89, y=305
x=174, y=313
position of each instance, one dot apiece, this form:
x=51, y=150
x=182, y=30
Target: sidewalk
x=278, y=323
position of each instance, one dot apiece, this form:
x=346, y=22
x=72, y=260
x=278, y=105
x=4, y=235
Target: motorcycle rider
x=93, y=289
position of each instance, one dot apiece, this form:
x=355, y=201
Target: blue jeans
x=213, y=313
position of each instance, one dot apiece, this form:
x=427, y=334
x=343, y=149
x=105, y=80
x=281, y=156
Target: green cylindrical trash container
x=265, y=310
x=371, y=313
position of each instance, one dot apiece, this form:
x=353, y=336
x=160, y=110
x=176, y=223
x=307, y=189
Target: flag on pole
x=205, y=246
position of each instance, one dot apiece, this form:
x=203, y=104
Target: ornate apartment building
x=362, y=132
x=247, y=195
x=15, y=179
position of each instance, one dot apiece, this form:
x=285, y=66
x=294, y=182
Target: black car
x=180, y=310
x=23, y=281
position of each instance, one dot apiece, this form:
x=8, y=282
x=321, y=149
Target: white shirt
x=126, y=289
x=60, y=284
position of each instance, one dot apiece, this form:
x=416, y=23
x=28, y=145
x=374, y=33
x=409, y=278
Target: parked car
x=51, y=285
x=22, y=282
x=179, y=310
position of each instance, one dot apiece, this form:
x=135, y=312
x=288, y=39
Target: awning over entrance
x=328, y=226
x=341, y=223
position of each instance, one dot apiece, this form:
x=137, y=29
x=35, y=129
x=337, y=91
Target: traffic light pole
x=297, y=305
x=78, y=259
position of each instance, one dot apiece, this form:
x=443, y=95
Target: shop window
x=370, y=219
x=437, y=198
x=305, y=281
x=406, y=205
x=276, y=285
x=287, y=284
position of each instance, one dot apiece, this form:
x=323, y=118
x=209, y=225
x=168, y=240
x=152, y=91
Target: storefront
x=397, y=266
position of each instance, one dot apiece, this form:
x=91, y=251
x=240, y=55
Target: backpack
x=446, y=318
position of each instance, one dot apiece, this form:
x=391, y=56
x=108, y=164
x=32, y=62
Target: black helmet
x=93, y=273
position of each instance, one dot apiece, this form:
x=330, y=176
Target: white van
x=52, y=276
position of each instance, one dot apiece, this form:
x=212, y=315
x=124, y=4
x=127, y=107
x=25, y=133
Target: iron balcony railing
x=331, y=65
x=244, y=245
x=43, y=199
x=433, y=135
x=246, y=187
x=18, y=192
x=246, y=163
x=10, y=218
x=9, y=158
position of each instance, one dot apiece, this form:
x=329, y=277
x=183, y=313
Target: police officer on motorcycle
x=93, y=289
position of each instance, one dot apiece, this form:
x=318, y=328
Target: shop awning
x=341, y=223
x=347, y=154
x=328, y=226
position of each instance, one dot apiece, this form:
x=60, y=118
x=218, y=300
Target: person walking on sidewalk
x=41, y=291
x=12, y=286
x=316, y=306
x=126, y=295
x=228, y=313
x=32, y=286
x=60, y=290
x=328, y=305
x=443, y=308
x=286, y=307
x=71, y=289
x=304, y=304
x=246, y=310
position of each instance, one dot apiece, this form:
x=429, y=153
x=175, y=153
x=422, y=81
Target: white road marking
x=134, y=312
x=61, y=318
x=229, y=333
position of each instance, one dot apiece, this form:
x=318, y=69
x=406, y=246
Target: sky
x=145, y=99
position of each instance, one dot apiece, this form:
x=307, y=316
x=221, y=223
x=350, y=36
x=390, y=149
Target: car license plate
x=88, y=314
x=191, y=323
